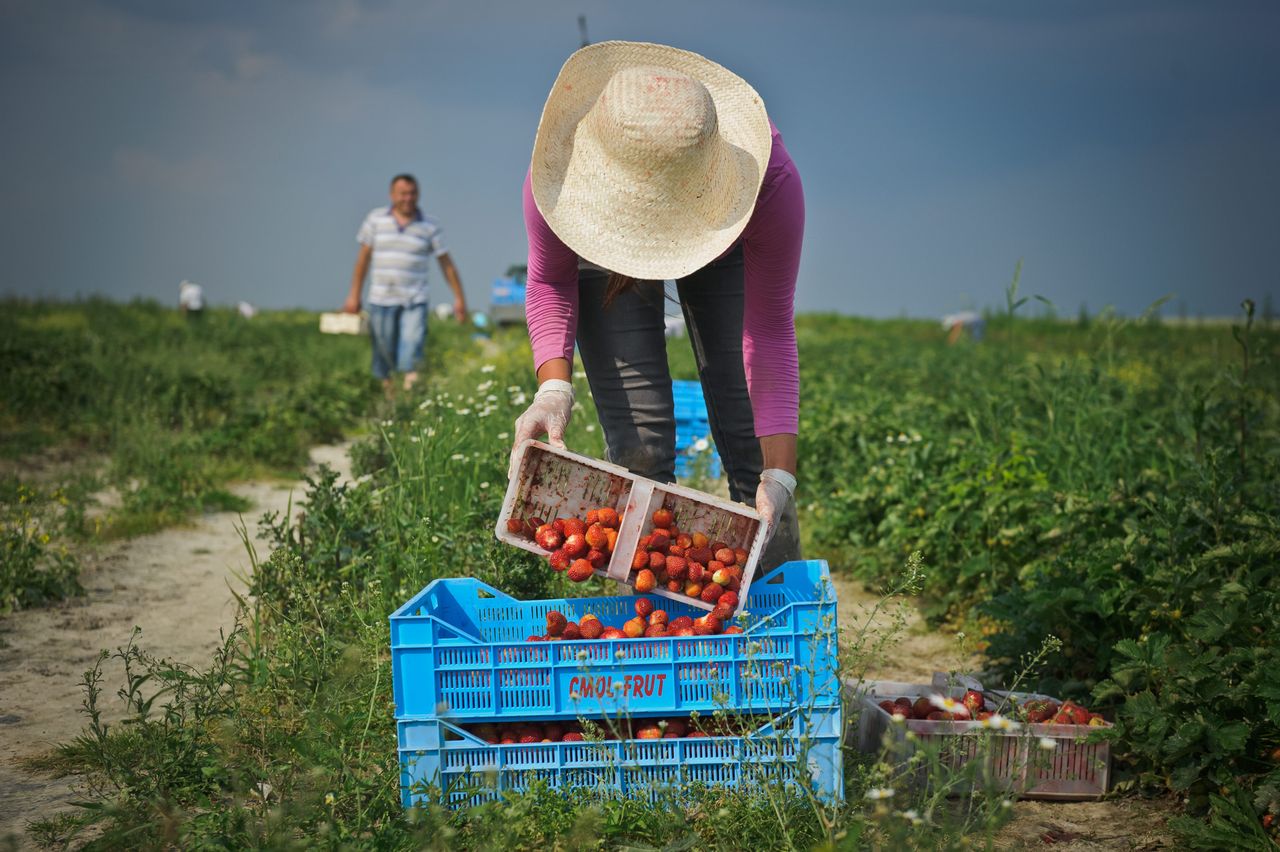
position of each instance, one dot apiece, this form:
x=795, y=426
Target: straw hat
x=648, y=159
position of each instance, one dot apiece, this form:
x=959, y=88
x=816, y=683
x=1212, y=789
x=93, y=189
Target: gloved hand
x=776, y=491
x=548, y=414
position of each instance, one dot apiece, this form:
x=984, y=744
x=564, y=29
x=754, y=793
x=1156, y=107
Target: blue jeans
x=624, y=354
x=399, y=333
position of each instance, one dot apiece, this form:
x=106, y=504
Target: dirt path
x=174, y=584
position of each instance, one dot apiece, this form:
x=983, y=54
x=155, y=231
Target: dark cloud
x=1124, y=150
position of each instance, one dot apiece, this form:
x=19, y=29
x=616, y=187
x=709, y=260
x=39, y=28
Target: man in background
x=396, y=244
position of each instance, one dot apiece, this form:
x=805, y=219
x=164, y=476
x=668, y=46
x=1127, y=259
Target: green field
x=1113, y=484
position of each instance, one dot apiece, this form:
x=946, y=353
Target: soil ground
x=177, y=585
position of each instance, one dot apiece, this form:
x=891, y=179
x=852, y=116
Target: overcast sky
x=1124, y=150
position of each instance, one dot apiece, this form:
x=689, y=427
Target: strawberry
x=677, y=568
x=559, y=559
x=655, y=630
x=612, y=633
x=659, y=540
x=740, y=556
x=718, y=545
x=905, y=702
x=1062, y=718
x=729, y=599
x=608, y=517
x=675, y=550
x=693, y=734
x=572, y=737
x=696, y=571
x=634, y=627
x=680, y=622
x=721, y=577
x=556, y=623
x=515, y=526
x=640, y=560
x=982, y=714
x=649, y=731
x=734, y=629
x=711, y=593
x=611, y=539
x=663, y=518
x=645, y=582
x=596, y=537
x=693, y=590
x=658, y=616
x=580, y=571
x=575, y=545
x=722, y=612
x=571, y=632
x=591, y=627
x=888, y=706
x=681, y=631
x=938, y=716
x=597, y=558
x=707, y=625
x=724, y=555
x=593, y=517
x=684, y=541
x=644, y=607
x=657, y=561
x=1078, y=714
x=922, y=708
x=702, y=554
x=527, y=738
x=558, y=525
x=547, y=537
x=699, y=539
x=973, y=701
x=674, y=586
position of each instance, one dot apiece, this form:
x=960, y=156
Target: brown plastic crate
x=1075, y=770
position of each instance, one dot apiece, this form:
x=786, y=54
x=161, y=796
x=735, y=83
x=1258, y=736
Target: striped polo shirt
x=398, y=270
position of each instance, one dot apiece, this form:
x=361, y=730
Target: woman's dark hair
x=618, y=284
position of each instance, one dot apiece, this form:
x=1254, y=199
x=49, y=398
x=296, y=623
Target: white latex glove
x=777, y=489
x=548, y=415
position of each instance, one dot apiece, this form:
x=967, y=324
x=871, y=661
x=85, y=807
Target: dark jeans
x=624, y=353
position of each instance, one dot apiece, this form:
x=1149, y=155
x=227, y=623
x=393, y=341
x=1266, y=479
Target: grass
x=159, y=410
x=1029, y=464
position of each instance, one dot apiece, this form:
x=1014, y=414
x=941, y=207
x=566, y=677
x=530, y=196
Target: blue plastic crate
x=801, y=748
x=687, y=466
x=459, y=651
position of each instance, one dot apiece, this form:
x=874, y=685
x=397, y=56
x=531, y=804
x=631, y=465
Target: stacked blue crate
x=459, y=657
x=692, y=426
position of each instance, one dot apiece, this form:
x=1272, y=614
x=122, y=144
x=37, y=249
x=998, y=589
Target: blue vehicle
x=506, y=297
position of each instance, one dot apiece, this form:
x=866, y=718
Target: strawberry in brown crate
x=1040, y=746
x=661, y=539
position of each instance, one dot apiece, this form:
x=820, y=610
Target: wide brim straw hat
x=648, y=159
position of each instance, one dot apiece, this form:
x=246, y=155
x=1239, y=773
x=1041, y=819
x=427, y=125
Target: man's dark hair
x=406, y=176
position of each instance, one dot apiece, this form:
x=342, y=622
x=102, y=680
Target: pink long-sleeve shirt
x=771, y=258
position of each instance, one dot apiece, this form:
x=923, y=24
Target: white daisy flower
x=1048, y=743
x=948, y=705
x=875, y=794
